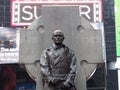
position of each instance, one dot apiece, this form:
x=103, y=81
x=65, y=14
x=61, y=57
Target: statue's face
x=58, y=37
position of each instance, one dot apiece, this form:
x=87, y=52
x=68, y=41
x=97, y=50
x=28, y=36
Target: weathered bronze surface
x=58, y=65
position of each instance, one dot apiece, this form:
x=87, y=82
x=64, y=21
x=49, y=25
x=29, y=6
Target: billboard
x=117, y=30
x=24, y=12
x=117, y=26
x=9, y=45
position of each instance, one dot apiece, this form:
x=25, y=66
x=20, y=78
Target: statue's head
x=58, y=37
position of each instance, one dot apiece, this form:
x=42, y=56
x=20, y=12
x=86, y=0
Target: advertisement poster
x=117, y=26
x=9, y=45
x=117, y=30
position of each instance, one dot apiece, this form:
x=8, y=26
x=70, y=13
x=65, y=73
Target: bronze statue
x=58, y=65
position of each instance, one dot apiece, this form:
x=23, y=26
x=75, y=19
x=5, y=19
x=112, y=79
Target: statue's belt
x=60, y=76
x=59, y=71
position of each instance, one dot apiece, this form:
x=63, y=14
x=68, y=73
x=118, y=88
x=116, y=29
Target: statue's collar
x=58, y=46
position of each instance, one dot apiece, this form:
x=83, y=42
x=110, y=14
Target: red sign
x=26, y=11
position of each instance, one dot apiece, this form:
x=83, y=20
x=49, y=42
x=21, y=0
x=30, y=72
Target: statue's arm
x=45, y=67
x=73, y=70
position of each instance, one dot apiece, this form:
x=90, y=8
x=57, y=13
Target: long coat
x=58, y=63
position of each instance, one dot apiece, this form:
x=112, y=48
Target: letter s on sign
x=29, y=14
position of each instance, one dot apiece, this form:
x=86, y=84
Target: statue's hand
x=55, y=81
x=67, y=84
x=64, y=87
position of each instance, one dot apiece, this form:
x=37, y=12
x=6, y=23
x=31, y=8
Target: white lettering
x=35, y=12
x=85, y=12
x=29, y=14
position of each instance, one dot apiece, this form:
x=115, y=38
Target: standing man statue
x=58, y=65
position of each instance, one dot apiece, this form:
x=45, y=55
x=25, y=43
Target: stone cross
x=79, y=35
